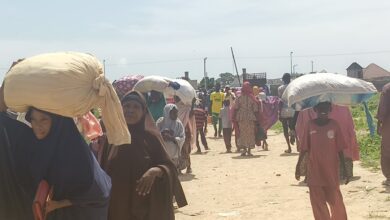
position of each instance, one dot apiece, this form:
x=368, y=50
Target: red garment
x=247, y=90
x=343, y=116
x=319, y=196
x=323, y=144
x=200, y=117
x=384, y=117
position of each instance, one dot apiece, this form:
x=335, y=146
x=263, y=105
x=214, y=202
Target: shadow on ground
x=300, y=184
x=186, y=177
x=248, y=157
x=201, y=153
x=289, y=154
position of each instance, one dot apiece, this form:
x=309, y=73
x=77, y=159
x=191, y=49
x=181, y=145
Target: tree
x=226, y=78
x=210, y=83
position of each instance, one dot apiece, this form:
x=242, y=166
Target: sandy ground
x=228, y=186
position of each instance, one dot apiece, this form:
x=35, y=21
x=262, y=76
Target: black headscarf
x=137, y=130
x=63, y=158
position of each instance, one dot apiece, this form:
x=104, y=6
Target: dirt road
x=228, y=186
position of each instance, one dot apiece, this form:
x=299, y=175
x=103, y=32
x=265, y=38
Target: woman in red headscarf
x=245, y=118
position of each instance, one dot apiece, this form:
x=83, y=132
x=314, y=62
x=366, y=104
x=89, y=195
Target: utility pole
x=312, y=65
x=294, y=71
x=291, y=65
x=205, y=73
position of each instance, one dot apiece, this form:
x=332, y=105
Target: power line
x=319, y=55
x=260, y=57
x=242, y=58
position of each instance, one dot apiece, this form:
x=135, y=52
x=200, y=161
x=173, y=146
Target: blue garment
x=93, y=204
x=370, y=122
x=65, y=161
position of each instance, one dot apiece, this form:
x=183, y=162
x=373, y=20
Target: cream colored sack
x=68, y=84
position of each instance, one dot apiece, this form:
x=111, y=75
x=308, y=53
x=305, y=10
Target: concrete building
x=372, y=73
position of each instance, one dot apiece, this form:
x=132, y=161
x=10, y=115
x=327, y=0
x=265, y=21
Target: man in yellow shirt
x=216, y=102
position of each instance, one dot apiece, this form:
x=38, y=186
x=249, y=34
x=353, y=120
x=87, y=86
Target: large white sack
x=149, y=83
x=308, y=90
x=186, y=92
x=68, y=84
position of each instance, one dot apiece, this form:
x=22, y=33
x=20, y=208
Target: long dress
x=189, y=124
x=246, y=118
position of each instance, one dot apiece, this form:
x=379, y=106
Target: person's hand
x=164, y=135
x=145, y=183
x=52, y=205
x=297, y=173
x=171, y=138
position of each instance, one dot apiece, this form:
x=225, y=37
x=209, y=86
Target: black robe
x=16, y=192
x=126, y=165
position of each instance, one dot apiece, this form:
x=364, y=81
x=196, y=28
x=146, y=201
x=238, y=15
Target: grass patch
x=370, y=150
x=277, y=127
x=369, y=146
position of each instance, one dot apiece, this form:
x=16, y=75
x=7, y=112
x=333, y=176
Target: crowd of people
x=141, y=180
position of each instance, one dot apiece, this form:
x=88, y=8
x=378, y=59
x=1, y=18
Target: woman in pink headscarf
x=245, y=117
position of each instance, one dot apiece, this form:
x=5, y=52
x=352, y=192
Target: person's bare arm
x=342, y=161
x=297, y=168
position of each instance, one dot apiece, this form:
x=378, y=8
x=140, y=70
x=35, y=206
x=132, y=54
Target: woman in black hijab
x=62, y=158
x=144, y=179
x=15, y=191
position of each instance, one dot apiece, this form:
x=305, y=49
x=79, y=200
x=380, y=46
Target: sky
x=169, y=37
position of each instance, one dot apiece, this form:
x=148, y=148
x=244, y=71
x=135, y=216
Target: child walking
x=201, y=127
x=323, y=142
x=226, y=125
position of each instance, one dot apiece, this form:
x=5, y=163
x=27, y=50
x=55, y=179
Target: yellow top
x=217, y=99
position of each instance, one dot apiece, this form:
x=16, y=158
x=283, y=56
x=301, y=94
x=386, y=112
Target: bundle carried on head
x=68, y=84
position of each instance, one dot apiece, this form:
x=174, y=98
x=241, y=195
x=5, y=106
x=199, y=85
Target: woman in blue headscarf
x=60, y=156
